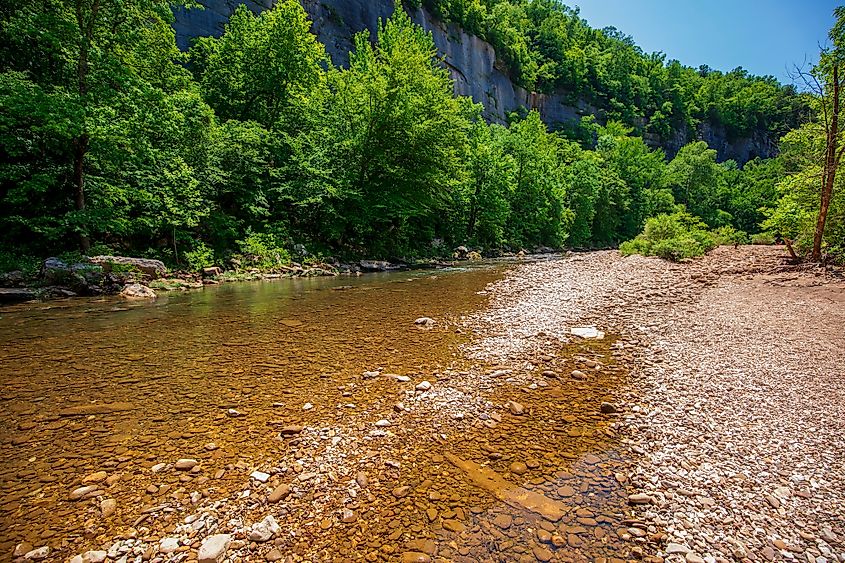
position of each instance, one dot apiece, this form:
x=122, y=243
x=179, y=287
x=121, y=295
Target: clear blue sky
x=762, y=36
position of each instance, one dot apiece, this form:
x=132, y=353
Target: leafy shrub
x=263, y=251
x=677, y=236
x=11, y=261
x=200, y=257
x=763, y=238
x=728, y=235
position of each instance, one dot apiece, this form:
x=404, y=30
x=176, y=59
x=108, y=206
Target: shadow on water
x=118, y=387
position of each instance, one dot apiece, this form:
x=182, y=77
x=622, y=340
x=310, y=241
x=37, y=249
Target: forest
x=250, y=145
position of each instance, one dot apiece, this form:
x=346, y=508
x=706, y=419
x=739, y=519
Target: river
x=109, y=394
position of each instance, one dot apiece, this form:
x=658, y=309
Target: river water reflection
x=116, y=392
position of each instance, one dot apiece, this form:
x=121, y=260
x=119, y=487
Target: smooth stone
x=275, y=554
x=168, y=545
x=383, y=423
x=80, y=492
x=541, y=553
x=291, y=430
x=260, y=476
x=454, y=525
x=185, y=464
x=38, y=554
x=279, y=493
x=515, y=408
x=401, y=492
x=213, y=548
x=579, y=375
x=640, y=498
x=423, y=386
x=609, y=408
x=97, y=477
x=503, y=521
x=264, y=530
x=518, y=468
x=108, y=507
x=348, y=516
x=94, y=556
x=415, y=557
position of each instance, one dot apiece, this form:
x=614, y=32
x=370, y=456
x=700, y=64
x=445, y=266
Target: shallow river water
x=110, y=394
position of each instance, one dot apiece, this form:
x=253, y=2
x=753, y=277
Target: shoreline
x=677, y=467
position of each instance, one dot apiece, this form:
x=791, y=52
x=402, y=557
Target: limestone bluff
x=471, y=61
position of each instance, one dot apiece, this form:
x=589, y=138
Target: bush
x=728, y=235
x=262, y=251
x=675, y=237
x=763, y=238
x=200, y=257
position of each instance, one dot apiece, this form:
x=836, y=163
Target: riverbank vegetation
x=253, y=147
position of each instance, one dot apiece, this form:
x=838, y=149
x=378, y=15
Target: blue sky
x=762, y=36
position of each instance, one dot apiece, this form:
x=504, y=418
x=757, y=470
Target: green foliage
x=547, y=47
x=793, y=215
x=763, y=238
x=201, y=256
x=675, y=237
x=728, y=235
x=259, y=143
x=262, y=251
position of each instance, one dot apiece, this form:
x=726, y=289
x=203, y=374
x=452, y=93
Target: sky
x=765, y=37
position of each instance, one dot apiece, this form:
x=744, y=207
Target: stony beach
x=702, y=420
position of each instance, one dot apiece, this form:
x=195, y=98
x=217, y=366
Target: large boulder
x=147, y=266
x=378, y=266
x=55, y=272
x=15, y=294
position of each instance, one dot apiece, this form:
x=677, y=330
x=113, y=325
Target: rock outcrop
x=470, y=60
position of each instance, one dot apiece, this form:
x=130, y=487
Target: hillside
x=682, y=105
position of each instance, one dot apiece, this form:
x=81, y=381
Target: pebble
x=80, y=492
x=423, y=386
x=579, y=375
x=264, y=530
x=401, y=492
x=185, y=464
x=108, y=507
x=279, y=493
x=97, y=477
x=515, y=408
x=260, y=476
x=213, y=548
x=415, y=557
x=383, y=423
x=168, y=545
x=38, y=554
x=518, y=468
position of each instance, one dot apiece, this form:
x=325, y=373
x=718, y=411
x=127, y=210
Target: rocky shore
x=740, y=388
x=599, y=408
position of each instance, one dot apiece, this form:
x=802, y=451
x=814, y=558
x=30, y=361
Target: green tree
x=263, y=66
x=694, y=178
x=396, y=134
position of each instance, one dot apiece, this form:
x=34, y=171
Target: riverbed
x=140, y=429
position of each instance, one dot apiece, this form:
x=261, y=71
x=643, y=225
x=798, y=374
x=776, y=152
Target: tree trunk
x=829, y=175
x=82, y=142
x=80, y=149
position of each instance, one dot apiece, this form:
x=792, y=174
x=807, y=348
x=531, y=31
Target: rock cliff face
x=471, y=61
